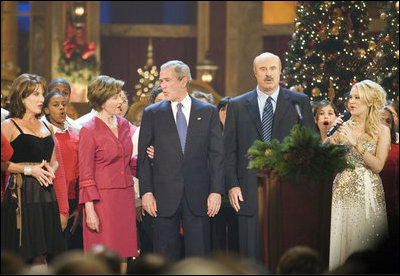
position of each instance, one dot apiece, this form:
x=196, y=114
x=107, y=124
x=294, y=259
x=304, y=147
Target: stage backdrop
x=122, y=56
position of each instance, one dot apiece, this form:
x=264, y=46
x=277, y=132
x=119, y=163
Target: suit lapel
x=194, y=115
x=253, y=110
x=169, y=122
x=282, y=106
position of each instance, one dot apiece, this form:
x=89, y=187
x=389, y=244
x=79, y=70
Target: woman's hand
x=92, y=220
x=76, y=216
x=42, y=174
x=347, y=132
x=139, y=213
x=64, y=222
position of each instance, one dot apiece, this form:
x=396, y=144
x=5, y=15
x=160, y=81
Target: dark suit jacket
x=243, y=127
x=172, y=174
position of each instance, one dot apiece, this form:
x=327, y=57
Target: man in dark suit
x=244, y=124
x=184, y=181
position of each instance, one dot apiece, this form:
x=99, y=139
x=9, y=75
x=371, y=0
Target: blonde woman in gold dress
x=358, y=219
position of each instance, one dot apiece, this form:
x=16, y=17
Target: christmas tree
x=148, y=76
x=329, y=48
x=384, y=66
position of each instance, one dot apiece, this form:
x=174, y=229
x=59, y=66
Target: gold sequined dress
x=358, y=219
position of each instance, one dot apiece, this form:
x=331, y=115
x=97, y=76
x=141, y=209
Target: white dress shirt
x=186, y=105
x=86, y=118
x=262, y=98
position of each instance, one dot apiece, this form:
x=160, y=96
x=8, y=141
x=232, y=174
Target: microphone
x=297, y=107
x=346, y=116
x=298, y=110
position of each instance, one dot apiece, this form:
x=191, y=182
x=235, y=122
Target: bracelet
x=27, y=170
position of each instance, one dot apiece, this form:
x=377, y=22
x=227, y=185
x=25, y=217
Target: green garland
x=76, y=69
x=301, y=154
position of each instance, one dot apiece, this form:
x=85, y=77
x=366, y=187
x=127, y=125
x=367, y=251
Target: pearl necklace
x=113, y=125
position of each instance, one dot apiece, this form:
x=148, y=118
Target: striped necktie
x=267, y=118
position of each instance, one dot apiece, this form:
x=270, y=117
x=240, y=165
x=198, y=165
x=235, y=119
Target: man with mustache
x=246, y=121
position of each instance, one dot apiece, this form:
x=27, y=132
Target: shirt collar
x=55, y=128
x=186, y=102
x=264, y=96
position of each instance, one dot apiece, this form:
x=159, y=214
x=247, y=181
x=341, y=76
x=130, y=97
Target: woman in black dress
x=30, y=217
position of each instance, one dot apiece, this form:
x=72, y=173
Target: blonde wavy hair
x=374, y=96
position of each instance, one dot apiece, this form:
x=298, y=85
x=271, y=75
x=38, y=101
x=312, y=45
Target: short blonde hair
x=101, y=89
x=374, y=96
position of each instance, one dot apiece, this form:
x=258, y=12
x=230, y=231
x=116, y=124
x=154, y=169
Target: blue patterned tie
x=181, y=126
x=267, y=118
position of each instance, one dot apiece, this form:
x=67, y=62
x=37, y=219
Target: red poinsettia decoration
x=85, y=49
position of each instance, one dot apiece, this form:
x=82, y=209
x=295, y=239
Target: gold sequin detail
x=358, y=219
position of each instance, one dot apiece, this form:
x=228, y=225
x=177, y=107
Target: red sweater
x=6, y=153
x=60, y=186
x=69, y=143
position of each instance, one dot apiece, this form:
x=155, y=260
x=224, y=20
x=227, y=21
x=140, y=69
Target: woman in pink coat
x=106, y=184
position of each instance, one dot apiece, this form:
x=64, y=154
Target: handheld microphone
x=298, y=110
x=346, y=116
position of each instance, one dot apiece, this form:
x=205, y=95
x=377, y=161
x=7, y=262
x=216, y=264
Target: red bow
x=88, y=50
x=70, y=46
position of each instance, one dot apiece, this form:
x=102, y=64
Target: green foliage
x=301, y=154
x=76, y=69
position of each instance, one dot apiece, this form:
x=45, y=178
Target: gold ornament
x=316, y=92
x=322, y=35
x=379, y=54
x=335, y=31
x=298, y=24
x=383, y=16
x=397, y=54
x=322, y=65
x=361, y=52
x=372, y=45
x=297, y=88
x=267, y=152
x=387, y=38
x=297, y=65
x=397, y=6
x=337, y=12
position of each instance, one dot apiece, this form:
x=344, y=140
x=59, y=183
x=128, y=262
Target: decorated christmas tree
x=148, y=76
x=384, y=65
x=329, y=48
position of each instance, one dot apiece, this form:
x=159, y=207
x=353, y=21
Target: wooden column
x=203, y=30
x=58, y=25
x=39, y=57
x=243, y=44
x=9, y=40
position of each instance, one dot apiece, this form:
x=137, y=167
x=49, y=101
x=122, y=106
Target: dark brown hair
x=21, y=88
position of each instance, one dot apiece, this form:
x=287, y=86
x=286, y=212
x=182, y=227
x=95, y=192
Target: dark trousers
x=224, y=227
x=248, y=237
x=196, y=234
x=145, y=231
x=73, y=240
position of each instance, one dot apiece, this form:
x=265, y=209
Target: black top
x=29, y=148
